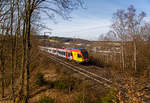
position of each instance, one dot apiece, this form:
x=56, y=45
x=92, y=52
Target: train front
x=84, y=55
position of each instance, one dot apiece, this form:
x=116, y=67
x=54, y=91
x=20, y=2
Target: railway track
x=83, y=70
x=99, y=79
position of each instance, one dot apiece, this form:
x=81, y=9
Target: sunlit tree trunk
x=122, y=55
x=134, y=43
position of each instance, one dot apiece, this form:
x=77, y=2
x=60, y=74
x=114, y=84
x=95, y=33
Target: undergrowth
x=46, y=99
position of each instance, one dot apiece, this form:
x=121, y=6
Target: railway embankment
x=56, y=82
x=106, y=77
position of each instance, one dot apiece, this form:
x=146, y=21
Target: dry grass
x=61, y=93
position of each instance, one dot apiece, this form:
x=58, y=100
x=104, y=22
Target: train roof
x=64, y=48
x=76, y=48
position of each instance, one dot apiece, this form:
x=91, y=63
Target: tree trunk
x=2, y=67
x=12, y=50
x=17, y=33
x=28, y=26
x=28, y=61
x=122, y=55
x=2, y=78
x=135, y=55
x=23, y=60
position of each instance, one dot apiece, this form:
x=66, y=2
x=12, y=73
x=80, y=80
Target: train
x=79, y=55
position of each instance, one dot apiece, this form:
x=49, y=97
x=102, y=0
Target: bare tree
x=61, y=7
x=134, y=23
x=19, y=17
x=127, y=26
x=119, y=29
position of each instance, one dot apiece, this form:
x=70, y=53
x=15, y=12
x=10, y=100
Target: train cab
x=80, y=55
x=84, y=54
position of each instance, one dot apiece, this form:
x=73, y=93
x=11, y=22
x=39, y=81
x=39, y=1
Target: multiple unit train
x=77, y=54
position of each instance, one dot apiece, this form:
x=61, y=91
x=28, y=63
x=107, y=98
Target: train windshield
x=84, y=53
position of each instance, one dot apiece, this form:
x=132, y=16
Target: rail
x=88, y=74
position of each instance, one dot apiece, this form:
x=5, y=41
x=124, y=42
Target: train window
x=63, y=53
x=79, y=56
x=84, y=52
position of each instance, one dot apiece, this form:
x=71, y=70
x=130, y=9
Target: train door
x=69, y=55
x=66, y=54
x=74, y=54
x=63, y=54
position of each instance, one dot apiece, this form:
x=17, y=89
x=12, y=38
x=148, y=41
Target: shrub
x=106, y=99
x=110, y=97
x=50, y=84
x=82, y=98
x=97, y=101
x=46, y=99
x=96, y=59
x=66, y=84
x=20, y=99
x=39, y=79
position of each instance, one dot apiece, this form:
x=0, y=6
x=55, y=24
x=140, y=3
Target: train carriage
x=61, y=53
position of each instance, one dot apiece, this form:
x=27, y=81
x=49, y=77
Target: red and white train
x=77, y=54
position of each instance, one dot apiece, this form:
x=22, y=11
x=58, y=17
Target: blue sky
x=95, y=20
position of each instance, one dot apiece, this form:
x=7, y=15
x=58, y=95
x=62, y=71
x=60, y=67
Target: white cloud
x=86, y=28
x=147, y=19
